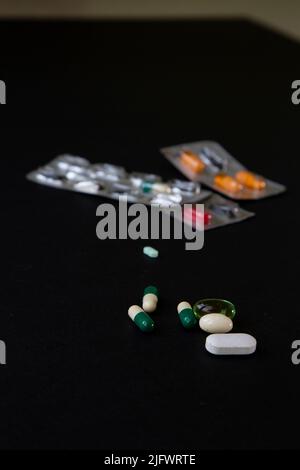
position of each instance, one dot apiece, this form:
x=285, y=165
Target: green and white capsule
x=150, y=299
x=141, y=318
x=148, y=187
x=186, y=315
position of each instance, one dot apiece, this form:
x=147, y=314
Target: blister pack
x=104, y=179
x=218, y=212
x=209, y=163
x=77, y=174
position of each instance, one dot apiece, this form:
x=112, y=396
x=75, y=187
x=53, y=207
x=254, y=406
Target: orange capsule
x=250, y=180
x=228, y=183
x=192, y=161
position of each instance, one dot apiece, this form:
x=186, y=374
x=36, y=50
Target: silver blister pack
x=103, y=179
x=209, y=163
x=218, y=212
x=110, y=181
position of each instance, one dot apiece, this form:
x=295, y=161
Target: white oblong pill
x=215, y=323
x=230, y=344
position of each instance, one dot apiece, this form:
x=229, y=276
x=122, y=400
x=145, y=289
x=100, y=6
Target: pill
x=185, y=187
x=141, y=318
x=229, y=211
x=149, y=187
x=151, y=252
x=166, y=200
x=194, y=216
x=250, y=180
x=150, y=299
x=107, y=172
x=205, y=306
x=215, y=323
x=228, y=183
x=212, y=160
x=192, y=161
x=230, y=344
x=69, y=162
x=137, y=178
x=86, y=187
x=186, y=315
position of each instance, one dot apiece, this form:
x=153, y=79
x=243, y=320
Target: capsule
x=193, y=216
x=150, y=299
x=206, y=306
x=186, y=315
x=250, y=180
x=141, y=319
x=149, y=187
x=227, y=183
x=192, y=161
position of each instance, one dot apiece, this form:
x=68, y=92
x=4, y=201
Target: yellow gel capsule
x=228, y=183
x=250, y=180
x=192, y=161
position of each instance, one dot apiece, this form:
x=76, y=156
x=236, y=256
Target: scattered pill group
x=140, y=315
x=213, y=315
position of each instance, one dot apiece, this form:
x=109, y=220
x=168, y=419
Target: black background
x=78, y=373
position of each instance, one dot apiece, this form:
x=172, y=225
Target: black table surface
x=78, y=373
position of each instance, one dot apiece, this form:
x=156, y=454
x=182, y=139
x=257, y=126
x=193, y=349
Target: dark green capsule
x=144, y=322
x=187, y=318
x=151, y=290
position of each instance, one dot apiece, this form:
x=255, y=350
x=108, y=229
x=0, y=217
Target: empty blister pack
x=110, y=181
x=209, y=163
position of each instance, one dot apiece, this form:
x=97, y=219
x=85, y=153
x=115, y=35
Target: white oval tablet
x=215, y=323
x=232, y=343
